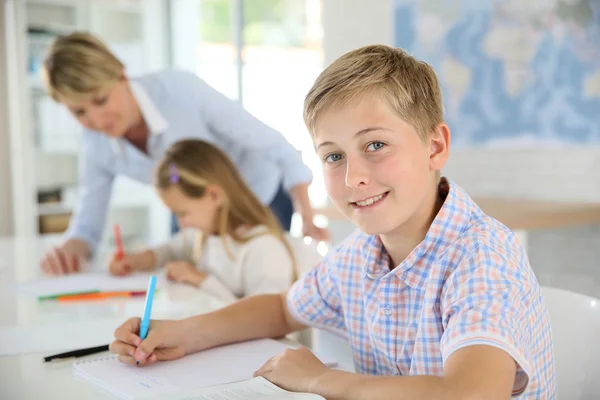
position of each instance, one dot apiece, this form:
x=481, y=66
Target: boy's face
x=376, y=168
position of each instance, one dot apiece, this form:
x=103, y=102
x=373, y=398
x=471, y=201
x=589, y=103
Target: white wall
x=6, y=220
x=16, y=141
x=348, y=24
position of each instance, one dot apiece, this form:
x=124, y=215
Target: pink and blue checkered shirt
x=467, y=283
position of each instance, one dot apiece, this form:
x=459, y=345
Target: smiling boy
x=437, y=299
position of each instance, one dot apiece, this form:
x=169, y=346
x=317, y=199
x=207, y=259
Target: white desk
x=27, y=376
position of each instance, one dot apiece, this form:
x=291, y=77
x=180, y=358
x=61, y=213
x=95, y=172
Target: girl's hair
x=78, y=66
x=192, y=164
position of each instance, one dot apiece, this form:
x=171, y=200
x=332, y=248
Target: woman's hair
x=192, y=164
x=79, y=65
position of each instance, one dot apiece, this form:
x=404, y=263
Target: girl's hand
x=184, y=272
x=120, y=266
x=129, y=263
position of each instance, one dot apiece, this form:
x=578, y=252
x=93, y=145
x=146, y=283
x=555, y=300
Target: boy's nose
x=357, y=173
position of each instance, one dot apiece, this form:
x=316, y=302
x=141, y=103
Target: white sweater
x=262, y=265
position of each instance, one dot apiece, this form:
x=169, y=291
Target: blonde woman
x=244, y=250
x=130, y=122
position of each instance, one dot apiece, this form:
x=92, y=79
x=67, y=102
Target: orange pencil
x=98, y=296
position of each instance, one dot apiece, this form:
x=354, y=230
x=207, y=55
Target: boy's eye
x=331, y=158
x=79, y=113
x=374, y=146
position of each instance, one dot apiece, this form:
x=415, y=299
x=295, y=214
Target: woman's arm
x=301, y=200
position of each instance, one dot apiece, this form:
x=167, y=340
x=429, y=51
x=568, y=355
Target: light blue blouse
x=177, y=105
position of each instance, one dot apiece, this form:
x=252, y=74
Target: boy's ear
x=439, y=142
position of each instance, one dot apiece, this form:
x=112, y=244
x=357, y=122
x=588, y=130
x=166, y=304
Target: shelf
x=129, y=6
x=52, y=17
x=122, y=24
x=519, y=214
x=46, y=209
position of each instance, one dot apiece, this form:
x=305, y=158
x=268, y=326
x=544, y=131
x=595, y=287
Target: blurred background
x=521, y=82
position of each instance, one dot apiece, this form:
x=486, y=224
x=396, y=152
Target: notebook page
x=226, y=364
x=123, y=381
x=253, y=389
x=86, y=282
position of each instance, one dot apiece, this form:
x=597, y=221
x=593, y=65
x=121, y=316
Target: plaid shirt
x=467, y=283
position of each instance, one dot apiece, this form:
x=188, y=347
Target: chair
x=575, y=323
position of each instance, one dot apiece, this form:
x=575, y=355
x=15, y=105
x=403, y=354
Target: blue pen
x=145, y=324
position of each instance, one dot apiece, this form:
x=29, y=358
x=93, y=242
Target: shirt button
x=387, y=311
x=371, y=276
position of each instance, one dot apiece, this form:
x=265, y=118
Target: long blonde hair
x=192, y=164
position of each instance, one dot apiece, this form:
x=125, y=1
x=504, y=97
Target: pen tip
x=137, y=362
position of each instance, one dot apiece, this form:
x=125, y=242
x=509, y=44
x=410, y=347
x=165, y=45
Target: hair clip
x=173, y=174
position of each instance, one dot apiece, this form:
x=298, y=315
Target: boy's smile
x=368, y=203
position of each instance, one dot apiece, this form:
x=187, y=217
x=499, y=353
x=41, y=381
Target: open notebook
x=254, y=389
x=218, y=366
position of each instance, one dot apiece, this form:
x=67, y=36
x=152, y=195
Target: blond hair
x=409, y=86
x=192, y=164
x=78, y=66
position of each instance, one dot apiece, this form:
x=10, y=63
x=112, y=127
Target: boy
x=436, y=299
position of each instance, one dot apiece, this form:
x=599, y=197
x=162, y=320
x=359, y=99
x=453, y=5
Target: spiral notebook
x=218, y=366
x=254, y=389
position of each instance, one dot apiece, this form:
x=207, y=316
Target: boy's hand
x=295, y=369
x=184, y=272
x=165, y=341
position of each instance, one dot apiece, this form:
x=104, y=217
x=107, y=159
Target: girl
x=242, y=251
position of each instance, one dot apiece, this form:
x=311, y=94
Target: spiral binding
x=95, y=360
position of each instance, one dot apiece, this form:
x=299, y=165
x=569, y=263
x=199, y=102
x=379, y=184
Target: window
x=264, y=53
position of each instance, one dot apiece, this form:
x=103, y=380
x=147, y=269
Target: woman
x=129, y=123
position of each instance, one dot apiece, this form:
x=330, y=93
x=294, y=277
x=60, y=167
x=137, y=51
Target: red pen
x=118, y=242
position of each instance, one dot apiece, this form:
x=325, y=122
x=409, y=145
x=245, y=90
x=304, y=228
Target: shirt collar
x=157, y=124
x=155, y=121
x=447, y=226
